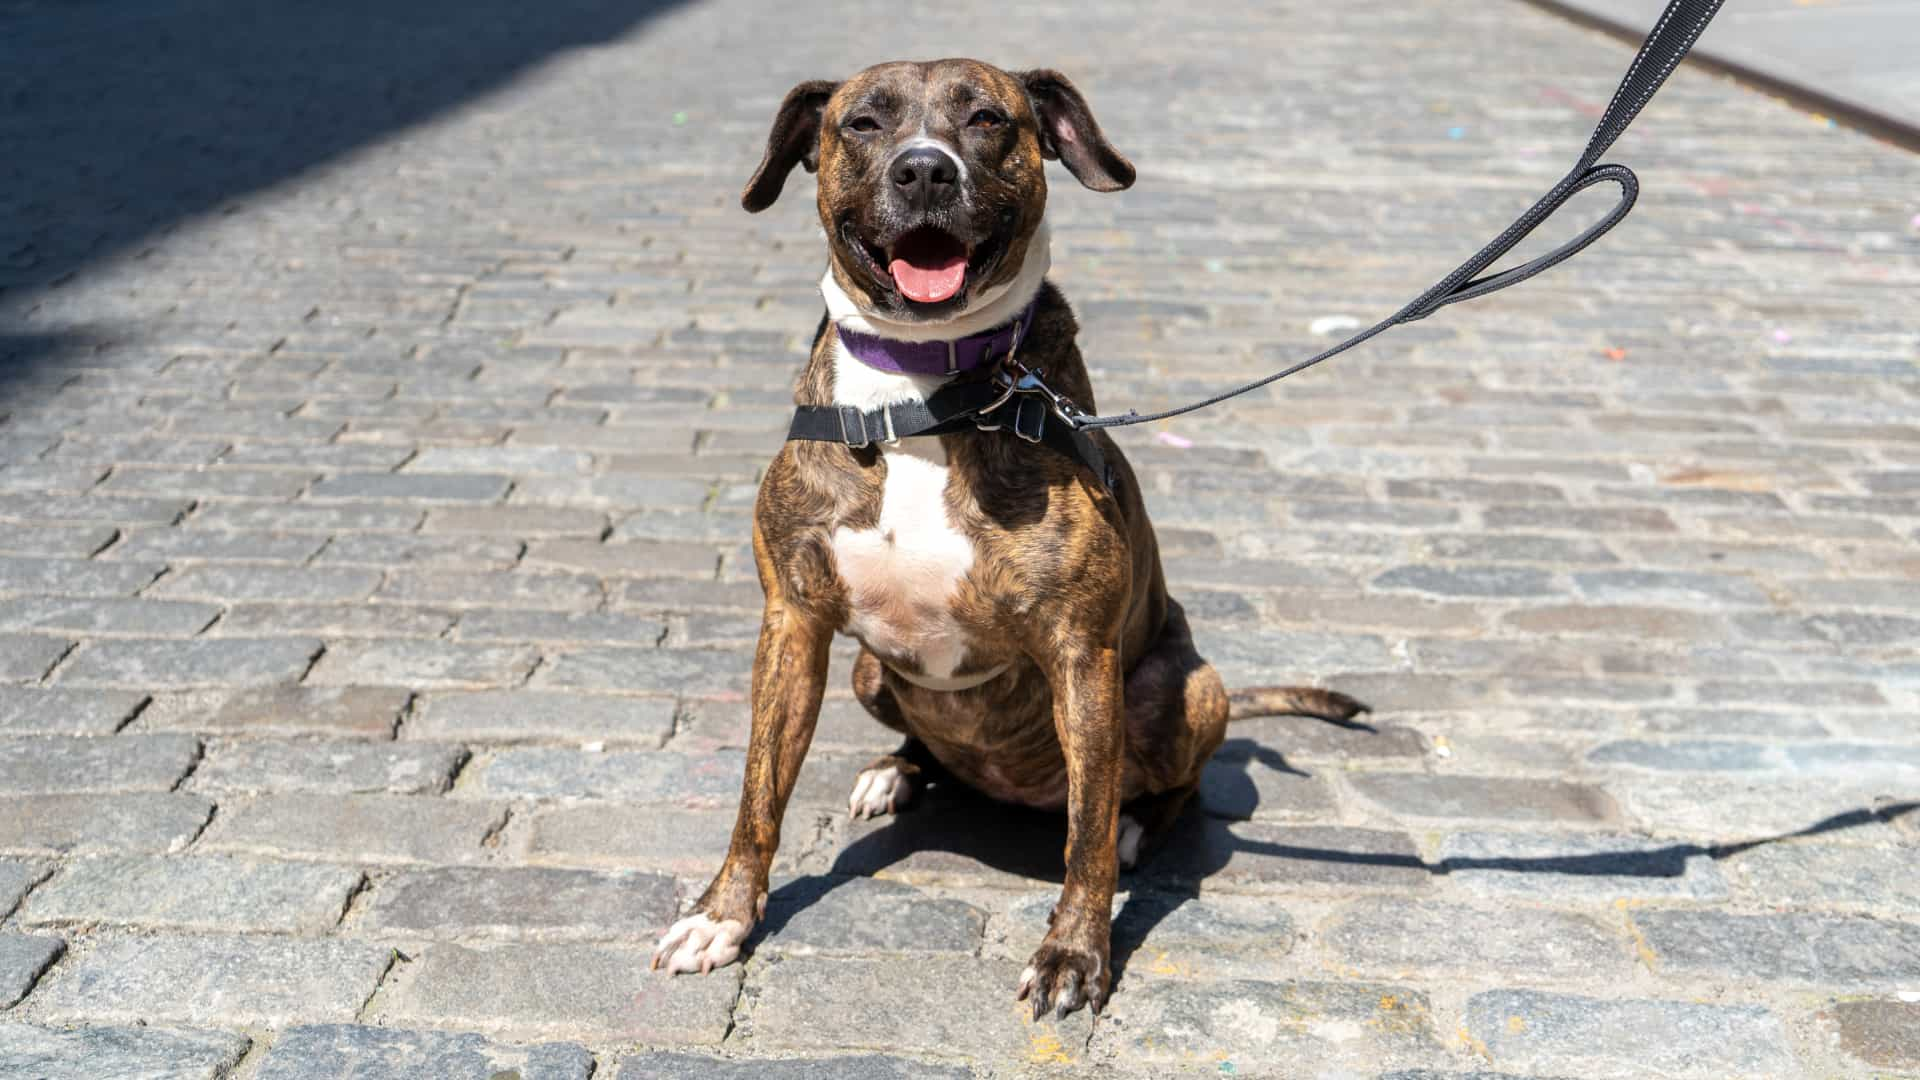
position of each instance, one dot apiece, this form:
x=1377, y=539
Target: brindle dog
x=1014, y=621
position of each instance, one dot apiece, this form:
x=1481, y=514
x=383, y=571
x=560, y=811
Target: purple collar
x=938, y=357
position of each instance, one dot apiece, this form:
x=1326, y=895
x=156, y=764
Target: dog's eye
x=985, y=118
x=863, y=124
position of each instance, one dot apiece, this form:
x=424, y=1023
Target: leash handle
x=1666, y=45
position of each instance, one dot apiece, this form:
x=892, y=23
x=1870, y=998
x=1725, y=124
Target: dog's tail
x=1292, y=701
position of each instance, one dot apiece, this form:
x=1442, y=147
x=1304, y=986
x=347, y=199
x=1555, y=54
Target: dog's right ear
x=794, y=140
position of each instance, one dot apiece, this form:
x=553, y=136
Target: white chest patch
x=902, y=574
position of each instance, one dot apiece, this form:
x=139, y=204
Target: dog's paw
x=698, y=943
x=880, y=789
x=1063, y=978
x=1128, y=846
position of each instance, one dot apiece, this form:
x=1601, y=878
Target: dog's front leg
x=1071, y=968
x=789, y=676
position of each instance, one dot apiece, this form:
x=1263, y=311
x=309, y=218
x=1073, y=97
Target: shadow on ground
x=120, y=120
x=953, y=821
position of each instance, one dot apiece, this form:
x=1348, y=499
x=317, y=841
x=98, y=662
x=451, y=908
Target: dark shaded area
x=949, y=819
x=119, y=119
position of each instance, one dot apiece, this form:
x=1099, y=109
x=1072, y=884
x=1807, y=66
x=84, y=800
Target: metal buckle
x=847, y=436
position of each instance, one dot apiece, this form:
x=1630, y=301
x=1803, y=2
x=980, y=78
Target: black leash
x=954, y=407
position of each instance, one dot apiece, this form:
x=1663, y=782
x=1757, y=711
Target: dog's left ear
x=1069, y=132
x=794, y=140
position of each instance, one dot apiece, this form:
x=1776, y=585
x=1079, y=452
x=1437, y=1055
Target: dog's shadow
x=951, y=830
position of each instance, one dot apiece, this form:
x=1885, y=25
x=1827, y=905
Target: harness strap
x=1670, y=40
x=955, y=407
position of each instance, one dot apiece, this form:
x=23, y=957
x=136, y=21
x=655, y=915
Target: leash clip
x=1015, y=378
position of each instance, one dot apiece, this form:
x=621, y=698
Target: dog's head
x=931, y=176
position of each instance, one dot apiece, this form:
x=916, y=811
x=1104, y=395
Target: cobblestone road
x=386, y=401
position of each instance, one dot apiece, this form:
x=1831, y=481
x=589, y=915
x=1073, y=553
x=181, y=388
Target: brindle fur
x=1104, y=701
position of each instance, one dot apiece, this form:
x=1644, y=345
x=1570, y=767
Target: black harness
x=1016, y=396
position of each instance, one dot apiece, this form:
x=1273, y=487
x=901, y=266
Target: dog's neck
x=854, y=383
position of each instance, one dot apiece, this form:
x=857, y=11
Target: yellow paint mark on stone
x=1516, y=1024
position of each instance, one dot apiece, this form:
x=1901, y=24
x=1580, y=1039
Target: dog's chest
x=902, y=574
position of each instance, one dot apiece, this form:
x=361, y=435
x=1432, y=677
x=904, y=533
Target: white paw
x=1131, y=833
x=697, y=943
x=879, y=791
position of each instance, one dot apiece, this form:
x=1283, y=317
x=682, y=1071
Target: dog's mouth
x=927, y=267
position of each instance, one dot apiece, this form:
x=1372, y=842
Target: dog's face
x=931, y=176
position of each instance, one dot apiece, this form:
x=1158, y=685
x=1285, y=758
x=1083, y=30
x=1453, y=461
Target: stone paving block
x=522, y=715
x=413, y=487
x=1614, y=620
x=862, y=915
x=364, y=828
x=75, y=577
x=207, y=980
x=631, y=776
x=22, y=958
x=337, y=1051
x=423, y=665
x=303, y=517
x=211, y=894
x=429, y=552
x=145, y=618
x=28, y=657
x=332, y=766
x=1579, y=866
x=367, y=712
x=518, y=521
x=599, y=627
x=666, y=1066
x=1883, y=1033
x=632, y=559
x=694, y=672
x=1403, y=939
x=515, y=589
x=87, y=824
x=1526, y=1029
x=74, y=509
x=333, y=621
x=243, y=582
x=1843, y=952
x=588, y=992
x=153, y=664
x=1798, y=874
x=619, y=836
x=54, y=764
x=946, y=1005
x=1252, y=1024
x=91, y=1053
x=1486, y=580
x=1425, y=795
x=534, y=904
x=54, y=541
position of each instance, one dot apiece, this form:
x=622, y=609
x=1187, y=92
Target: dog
x=1012, y=614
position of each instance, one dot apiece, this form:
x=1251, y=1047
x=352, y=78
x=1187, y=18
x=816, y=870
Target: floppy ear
x=1069, y=132
x=795, y=139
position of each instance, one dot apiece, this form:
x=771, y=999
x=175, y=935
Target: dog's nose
x=925, y=176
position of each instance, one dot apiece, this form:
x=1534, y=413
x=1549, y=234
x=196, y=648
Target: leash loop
x=1672, y=37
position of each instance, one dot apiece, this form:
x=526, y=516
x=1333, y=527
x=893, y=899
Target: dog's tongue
x=928, y=266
